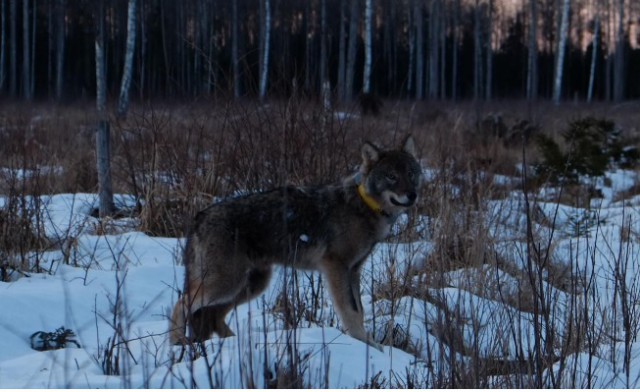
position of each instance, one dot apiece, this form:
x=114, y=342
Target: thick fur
x=234, y=244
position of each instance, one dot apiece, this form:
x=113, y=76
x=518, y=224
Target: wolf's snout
x=412, y=196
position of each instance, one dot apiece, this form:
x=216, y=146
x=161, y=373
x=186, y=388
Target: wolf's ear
x=370, y=153
x=409, y=146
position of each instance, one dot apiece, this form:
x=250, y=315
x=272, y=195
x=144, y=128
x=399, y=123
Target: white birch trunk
x=103, y=153
x=368, y=43
x=454, y=55
x=434, y=35
x=26, y=41
x=352, y=49
x=60, y=47
x=562, y=43
x=619, y=74
x=412, y=45
x=419, y=35
x=477, y=52
x=13, y=48
x=264, y=64
x=532, y=60
x=127, y=73
x=3, y=70
x=342, y=55
x=324, y=61
x=489, y=70
x=235, y=58
x=32, y=55
x=594, y=57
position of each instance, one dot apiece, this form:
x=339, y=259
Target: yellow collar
x=368, y=200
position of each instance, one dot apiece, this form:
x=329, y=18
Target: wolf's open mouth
x=394, y=201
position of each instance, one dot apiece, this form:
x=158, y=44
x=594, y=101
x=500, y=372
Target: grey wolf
x=234, y=244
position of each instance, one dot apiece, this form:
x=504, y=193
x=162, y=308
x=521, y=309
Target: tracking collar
x=369, y=201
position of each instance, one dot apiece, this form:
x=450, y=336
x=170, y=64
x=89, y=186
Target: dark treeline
x=419, y=49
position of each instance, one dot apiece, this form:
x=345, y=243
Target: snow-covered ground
x=115, y=292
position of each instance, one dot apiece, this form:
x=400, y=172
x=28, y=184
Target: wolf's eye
x=391, y=177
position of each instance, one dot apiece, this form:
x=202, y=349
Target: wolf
x=234, y=244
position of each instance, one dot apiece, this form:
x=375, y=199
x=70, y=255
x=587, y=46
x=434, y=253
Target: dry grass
x=176, y=159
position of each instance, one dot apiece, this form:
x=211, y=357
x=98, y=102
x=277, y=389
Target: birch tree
x=368, y=46
x=13, y=48
x=477, y=51
x=594, y=55
x=3, y=69
x=26, y=45
x=127, y=72
x=351, y=49
x=412, y=44
x=434, y=52
x=489, y=54
x=342, y=48
x=454, y=49
x=103, y=153
x=235, y=57
x=60, y=47
x=264, y=58
x=419, y=38
x=324, y=57
x=562, y=43
x=532, y=58
x=618, y=74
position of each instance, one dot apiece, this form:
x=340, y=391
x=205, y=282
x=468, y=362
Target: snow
x=122, y=284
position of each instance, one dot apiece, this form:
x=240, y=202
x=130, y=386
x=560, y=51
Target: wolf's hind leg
x=178, y=323
x=257, y=281
x=210, y=319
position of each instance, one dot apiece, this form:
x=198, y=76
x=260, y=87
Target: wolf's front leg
x=344, y=285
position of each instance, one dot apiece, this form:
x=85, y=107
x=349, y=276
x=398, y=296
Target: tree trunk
x=26, y=44
x=127, y=72
x=342, y=55
x=419, y=48
x=412, y=45
x=324, y=61
x=352, y=49
x=619, y=74
x=443, y=51
x=454, y=49
x=368, y=46
x=165, y=50
x=3, y=69
x=532, y=59
x=103, y=153
x=142, y=75
x=489, y=70
x=594, y=56
x=562, y=42
x=477, y=56
x=13, y=49
x=434, y=47
x=101, y=76
x=308, y=47
x=32, y=54
x=103, y=156
x=264, y=63
x=235, y=57
x=60, y=41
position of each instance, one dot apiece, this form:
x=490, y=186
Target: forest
x=580, y=50
x=518, y=266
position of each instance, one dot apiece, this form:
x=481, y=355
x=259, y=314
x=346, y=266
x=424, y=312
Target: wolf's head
x=390, y=180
